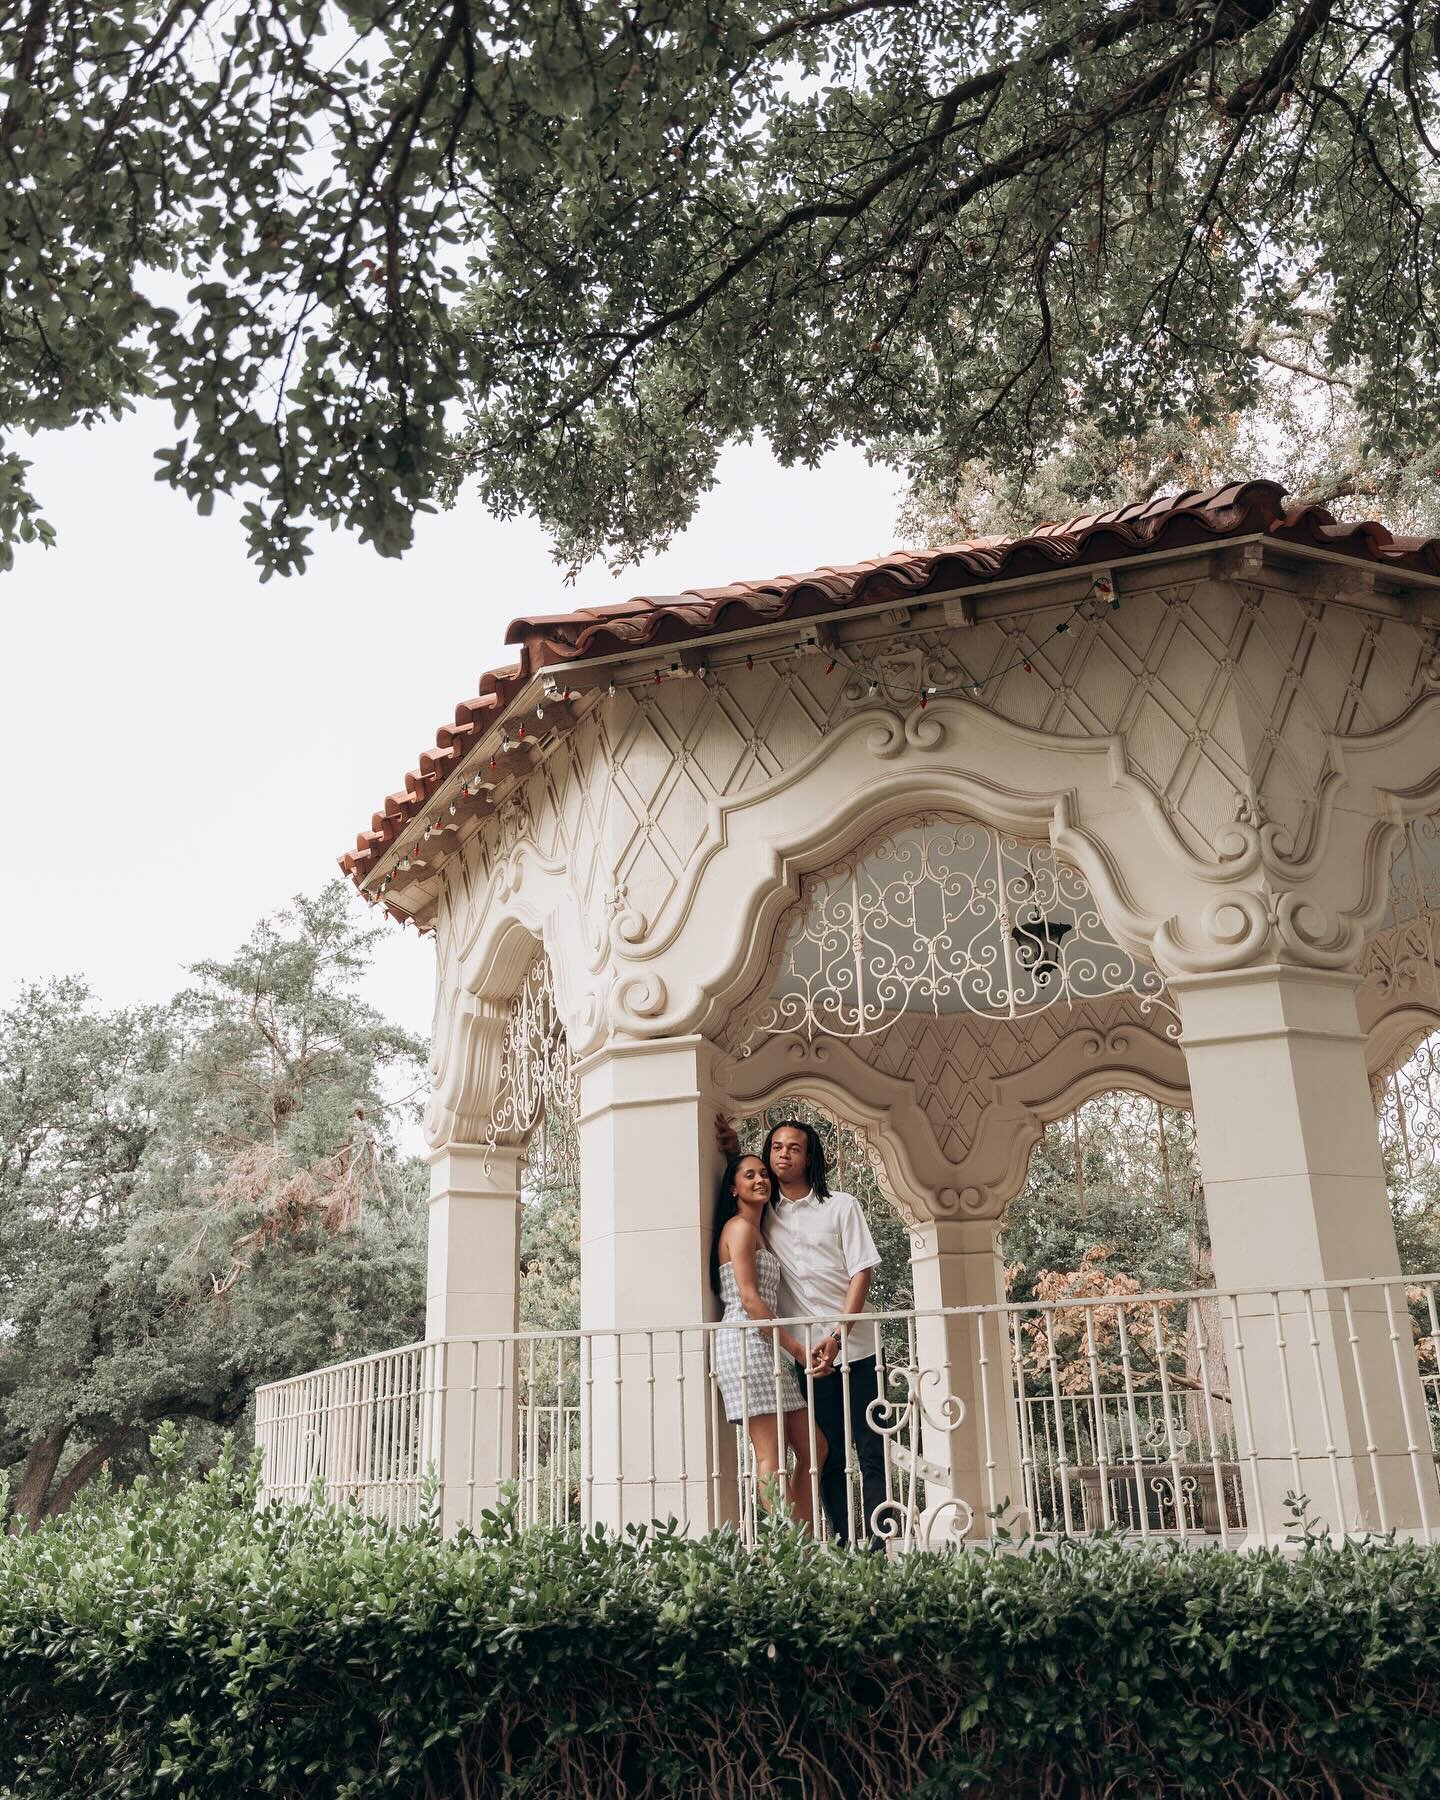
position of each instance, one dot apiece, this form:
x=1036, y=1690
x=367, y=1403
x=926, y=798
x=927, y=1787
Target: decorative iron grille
x=1409, y=1104
x=1415, y=872
x=941, y=916
x=537, y=1080
x=1404, y=955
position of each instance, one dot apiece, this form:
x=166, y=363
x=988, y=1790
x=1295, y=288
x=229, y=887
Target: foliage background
x=198, y=1197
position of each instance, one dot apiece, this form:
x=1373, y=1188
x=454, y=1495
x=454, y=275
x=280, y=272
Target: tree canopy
x=197, y=1198
x=371, y=252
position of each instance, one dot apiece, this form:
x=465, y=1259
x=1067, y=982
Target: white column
x=1324, y=1387
x=655, y=1442
x=967, y=1356
x=472, y=1279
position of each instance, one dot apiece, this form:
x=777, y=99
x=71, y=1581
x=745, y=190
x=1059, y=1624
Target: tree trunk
x=84, y=1467
x=40, y=1467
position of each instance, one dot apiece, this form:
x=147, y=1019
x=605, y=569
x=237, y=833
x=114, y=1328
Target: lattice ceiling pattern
x=954, y=1058
x=1223, y=692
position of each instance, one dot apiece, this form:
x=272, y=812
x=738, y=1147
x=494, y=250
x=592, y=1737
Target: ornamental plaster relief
x=1181, y=752
x=954, y=1106
x=1226, y=693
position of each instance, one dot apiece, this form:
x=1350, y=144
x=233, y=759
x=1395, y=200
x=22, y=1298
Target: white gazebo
x=946, y=843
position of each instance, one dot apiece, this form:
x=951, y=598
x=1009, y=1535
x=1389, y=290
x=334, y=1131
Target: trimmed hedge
x=174, y=1641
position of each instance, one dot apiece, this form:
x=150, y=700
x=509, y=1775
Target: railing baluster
x=1331, y=1457
x=684, y=1432
x=1061, y=1457
x=1157, y=1325
x=1102, y=1444
x=1221, y=1498
x=1423, y=1489
x=1372, y=1449
x=1137, y=1461
x=1242, y=1382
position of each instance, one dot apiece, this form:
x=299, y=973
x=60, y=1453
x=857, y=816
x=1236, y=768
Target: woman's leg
x=769, y=1478
x=797, y=1436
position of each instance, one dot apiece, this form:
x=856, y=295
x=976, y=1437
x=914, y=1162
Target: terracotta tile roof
x=655, y=621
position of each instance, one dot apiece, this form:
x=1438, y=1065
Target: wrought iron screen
x=537, y=1081
x=941, y=916
x=1409, y=1103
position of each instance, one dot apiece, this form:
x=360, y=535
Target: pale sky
x=184, y=749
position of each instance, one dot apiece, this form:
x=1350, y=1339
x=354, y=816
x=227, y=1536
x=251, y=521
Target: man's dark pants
x=869, y=1447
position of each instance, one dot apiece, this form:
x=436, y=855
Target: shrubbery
x=173, y=1641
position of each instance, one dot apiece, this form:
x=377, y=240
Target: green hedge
x=176, y=1642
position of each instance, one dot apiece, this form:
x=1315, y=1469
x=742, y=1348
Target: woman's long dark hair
x=726, y=1207
x=814, y=1155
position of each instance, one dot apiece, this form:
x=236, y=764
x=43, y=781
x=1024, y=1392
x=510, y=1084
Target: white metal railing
x=1187, y=1414
x=363, y=1430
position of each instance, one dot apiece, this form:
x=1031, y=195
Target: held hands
x=823, y=1355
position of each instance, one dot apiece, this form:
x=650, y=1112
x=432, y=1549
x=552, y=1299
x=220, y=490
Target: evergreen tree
x=198, y=1198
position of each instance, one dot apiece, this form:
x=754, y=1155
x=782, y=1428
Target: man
x=827, y=1258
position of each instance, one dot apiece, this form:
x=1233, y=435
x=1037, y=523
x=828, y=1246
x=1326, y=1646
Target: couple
x=785, y=1246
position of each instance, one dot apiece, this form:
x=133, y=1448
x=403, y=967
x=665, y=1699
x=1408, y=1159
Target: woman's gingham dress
x=744, y=1359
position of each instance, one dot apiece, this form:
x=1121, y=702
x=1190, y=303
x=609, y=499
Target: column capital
x=475, y=1168
x=1267, y=1000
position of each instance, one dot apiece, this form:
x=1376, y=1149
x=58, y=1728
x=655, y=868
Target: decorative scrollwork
x=897, y=1414
x=940, y=916
x=1409, y=1105
x=1415, y=872
x=537, y=1071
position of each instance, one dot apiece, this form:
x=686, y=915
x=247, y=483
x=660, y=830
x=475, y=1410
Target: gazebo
x=947, y=843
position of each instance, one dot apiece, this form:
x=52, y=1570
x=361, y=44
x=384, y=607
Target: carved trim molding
x=1086, y=1062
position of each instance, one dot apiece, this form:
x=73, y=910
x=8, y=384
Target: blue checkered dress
x=745, y=1359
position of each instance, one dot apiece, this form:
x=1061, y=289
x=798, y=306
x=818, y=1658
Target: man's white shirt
x=820, y=1245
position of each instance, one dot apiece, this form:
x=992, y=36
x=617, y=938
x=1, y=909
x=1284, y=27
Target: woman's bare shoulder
x=739, y=1234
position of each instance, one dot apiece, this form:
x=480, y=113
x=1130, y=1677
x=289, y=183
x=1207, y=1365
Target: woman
x=746, y=1276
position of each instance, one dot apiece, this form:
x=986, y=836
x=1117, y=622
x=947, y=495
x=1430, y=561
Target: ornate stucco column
x=471, y=1298
x=1324, y=1398
x=975, y=1451
x=653, y=1445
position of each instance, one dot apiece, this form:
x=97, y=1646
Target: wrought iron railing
x=1192, y=1415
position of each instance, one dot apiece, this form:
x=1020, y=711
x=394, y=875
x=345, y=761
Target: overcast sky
x=184, y=748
